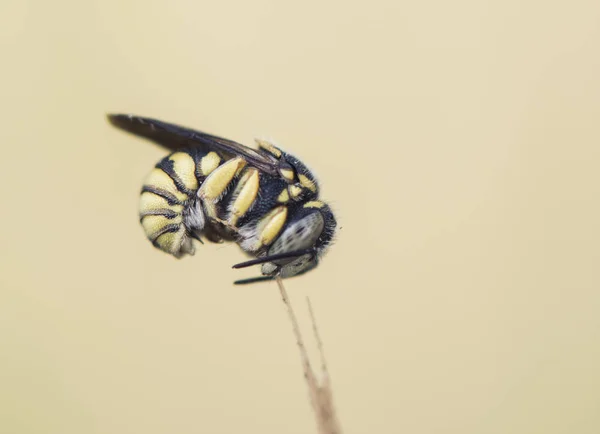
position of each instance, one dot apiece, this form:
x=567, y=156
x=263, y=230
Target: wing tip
x=119, y=120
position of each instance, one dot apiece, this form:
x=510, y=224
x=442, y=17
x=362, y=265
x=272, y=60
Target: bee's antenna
x=270, y=258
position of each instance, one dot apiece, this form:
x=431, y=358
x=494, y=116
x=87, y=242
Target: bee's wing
x=174, y=137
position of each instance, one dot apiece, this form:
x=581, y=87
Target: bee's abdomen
x=167, y=195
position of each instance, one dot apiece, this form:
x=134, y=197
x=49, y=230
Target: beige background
x=457, y=141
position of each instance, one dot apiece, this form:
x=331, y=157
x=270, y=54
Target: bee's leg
x=253, y=280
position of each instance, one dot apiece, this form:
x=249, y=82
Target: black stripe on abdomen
x=169, y=197
x=164, y=230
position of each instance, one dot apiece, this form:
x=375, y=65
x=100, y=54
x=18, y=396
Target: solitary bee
x=265, y=200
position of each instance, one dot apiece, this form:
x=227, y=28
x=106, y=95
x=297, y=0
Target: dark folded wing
x=175, y=137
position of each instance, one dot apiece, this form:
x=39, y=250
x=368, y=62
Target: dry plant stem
x=321, y=397
x=327, y=410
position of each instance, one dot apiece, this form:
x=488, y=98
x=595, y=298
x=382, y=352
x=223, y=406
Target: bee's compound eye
x=299, y=234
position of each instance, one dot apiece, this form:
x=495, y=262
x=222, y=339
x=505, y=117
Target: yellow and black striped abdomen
x=168, y=199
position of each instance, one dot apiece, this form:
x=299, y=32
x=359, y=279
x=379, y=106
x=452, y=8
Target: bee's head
x=309, y=232
x=309, y=228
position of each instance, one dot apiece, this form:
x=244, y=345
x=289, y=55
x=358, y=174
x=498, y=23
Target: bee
x=214, y=189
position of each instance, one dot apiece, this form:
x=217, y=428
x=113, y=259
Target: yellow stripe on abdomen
x=159, y=179
x=185, y=169
x=152, y=202
x=171, y=241
x=209, y=163
x=155, y=224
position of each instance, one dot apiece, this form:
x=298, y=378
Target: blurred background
x=458, y=143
